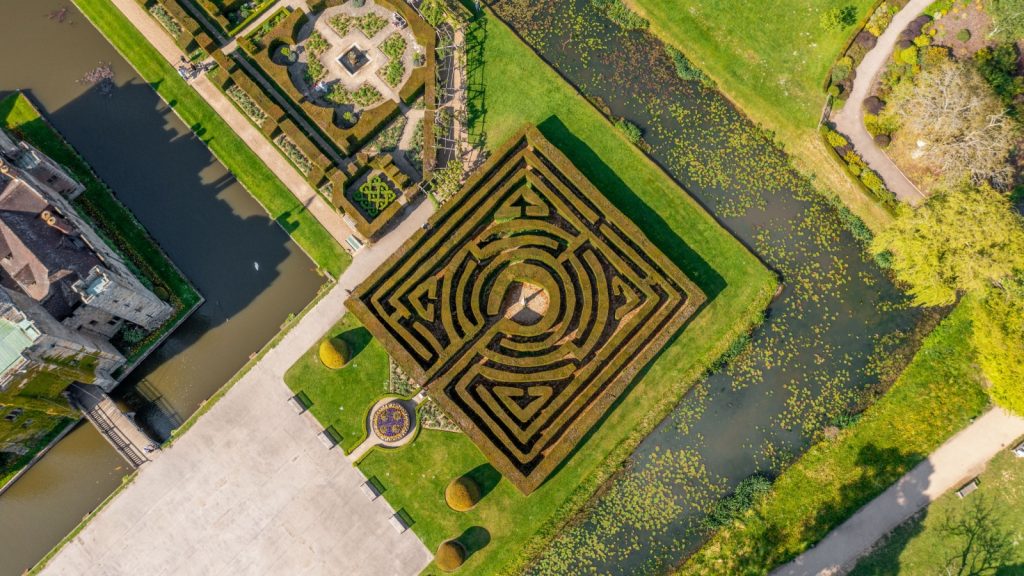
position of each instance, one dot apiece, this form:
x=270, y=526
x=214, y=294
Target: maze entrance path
x=528, y=306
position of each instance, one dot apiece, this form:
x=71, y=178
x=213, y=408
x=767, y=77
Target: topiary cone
x=334, y=353
x=450, y=555
x=462, y=494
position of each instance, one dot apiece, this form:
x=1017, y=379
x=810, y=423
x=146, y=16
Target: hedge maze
x=527, y=307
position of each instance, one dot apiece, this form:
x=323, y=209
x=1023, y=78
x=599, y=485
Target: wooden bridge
x=120, y=430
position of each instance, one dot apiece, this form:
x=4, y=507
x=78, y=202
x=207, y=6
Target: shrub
x=314, y=70
x=883, y=140
x=839, y=17
x=998, y=66
x=166, y=20
x=338, y=95
x=835, y=139
x=880, y=19
x=922, y=40
x=729, y=509
x=909, y=55
x=873, y=181
x=341, y=23
x=685, y=69
x=316, y=44
x=394, y=46
x=462, y=494
x=247, y=104
x=881, y=124
x=621, y=15
x=370, y=23
x=393, y=72
x=632, y=131
x=964, y=35
x=450, y=555
x=842, y=69
x=366, y=96
x=334, y=353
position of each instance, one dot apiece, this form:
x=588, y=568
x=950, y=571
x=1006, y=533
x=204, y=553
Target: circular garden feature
x=334, y=353
x=391, y=422
x=462, y=494
x=450, y=555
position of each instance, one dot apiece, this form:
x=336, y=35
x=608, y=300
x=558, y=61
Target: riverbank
x=772, y=68
x=225, y=144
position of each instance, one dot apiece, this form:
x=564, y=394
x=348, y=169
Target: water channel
x=208, y=224
x=836, y=331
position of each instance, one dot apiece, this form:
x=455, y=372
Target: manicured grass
x=937, y=395
x=519, y=88
x=222, y=140
x=108, y=215
x=772, y=60
x=923, y=544
x=341, y=398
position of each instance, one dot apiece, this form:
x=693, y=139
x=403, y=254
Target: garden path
x=953, y=464
x=328, y=217
x=850, y=120
x=249, y=489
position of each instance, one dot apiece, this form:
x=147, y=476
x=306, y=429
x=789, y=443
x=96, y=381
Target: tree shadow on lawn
x=657, y=231
x=474, y=539
x=486, y=477
x=357, y=340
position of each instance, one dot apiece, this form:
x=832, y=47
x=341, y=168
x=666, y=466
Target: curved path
x=952, y=465
x=850, y=120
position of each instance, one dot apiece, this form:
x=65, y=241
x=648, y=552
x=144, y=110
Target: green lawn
x=519, y=88
x=342, y=398
x=250, y=171
x=937, y=395
x=771, y=59
x=994, y=515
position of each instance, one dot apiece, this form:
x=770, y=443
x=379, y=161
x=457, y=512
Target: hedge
x=193, y=36
x=513, y=217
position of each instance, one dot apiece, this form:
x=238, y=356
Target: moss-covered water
x=837, y=330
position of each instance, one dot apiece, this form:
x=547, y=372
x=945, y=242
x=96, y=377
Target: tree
x=837, y=18
x=998, y=337
x=1008, y=16
x=963, y=125
x=960, y=241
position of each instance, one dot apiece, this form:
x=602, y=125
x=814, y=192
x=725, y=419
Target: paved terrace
x=250, y=489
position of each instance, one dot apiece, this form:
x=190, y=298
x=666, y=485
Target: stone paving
x=250, y=489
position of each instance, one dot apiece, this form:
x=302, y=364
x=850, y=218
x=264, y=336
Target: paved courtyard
x=249, y=489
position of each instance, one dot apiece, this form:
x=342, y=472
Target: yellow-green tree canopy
x=998, y=337
x=961, y=241
x=334, y=353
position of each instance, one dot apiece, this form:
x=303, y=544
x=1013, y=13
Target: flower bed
x=391, y=422
x=166, y=20
x=341, y=23
x=370, y=24
x=292, y=151
x=247, y=104
x=373, y=196
x=392, y=73
x=394, y=46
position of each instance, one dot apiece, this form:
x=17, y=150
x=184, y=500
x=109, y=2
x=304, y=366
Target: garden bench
x=370, y=490
x=966, y=489
x=398, y=523
x=327, y=438
x=1019, y=450
x=298, y=404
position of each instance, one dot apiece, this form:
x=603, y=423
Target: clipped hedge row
x=515, y=215
x=193, y=37
x=346, y=140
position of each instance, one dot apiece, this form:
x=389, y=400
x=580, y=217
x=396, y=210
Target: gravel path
x=952, y=465
x=850, y=120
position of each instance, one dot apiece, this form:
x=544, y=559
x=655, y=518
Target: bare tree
x=981, y=545
x=964, y=126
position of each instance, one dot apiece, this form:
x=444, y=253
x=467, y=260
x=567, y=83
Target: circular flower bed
x=391, y=422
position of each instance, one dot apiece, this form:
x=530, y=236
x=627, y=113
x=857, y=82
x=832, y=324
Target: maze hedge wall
x=526, y=389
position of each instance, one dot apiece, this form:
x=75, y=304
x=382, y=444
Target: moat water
x=208, y=224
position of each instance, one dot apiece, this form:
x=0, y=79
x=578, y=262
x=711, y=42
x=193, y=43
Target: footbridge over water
x=117, y=427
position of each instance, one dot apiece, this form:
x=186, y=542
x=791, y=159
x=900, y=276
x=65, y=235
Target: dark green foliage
x=729, y=509
x=839, y=17
x=619, y=13
x=841, y=70
x=998, y=66
x=506, y=220
x=632, y=131
x=684, y=68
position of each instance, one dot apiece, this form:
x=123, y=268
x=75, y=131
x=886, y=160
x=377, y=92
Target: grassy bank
x=506, y=528
x=771, y=60
x=341, y=398
x=937, y=395
x=935, y=540
x=222, y=140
